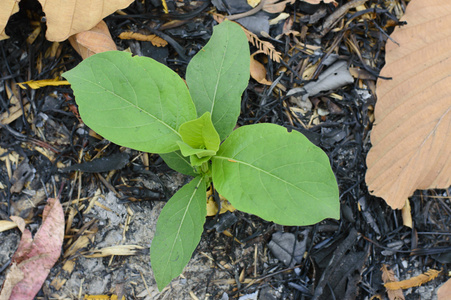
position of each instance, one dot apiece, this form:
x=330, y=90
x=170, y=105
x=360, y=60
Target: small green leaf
x=200, y=133
x=280, y=176
x=134, y=102
x=179, y=228
x=218, y=74
x=176, y=161
x=198, y=161
x=187, y=150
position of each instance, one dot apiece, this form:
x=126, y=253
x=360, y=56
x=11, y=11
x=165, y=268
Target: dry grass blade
x=114, y=250
x=411, y=137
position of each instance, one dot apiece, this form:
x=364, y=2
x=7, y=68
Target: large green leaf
x=176, y=161
x=218, y=74
x=132, y=101
x=179, y=228
x=280, y=176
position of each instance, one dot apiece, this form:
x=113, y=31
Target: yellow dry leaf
x=101, y=297
x=411, y=136
x=212, y=206
x=65, y=18
x=36, y=84
x=97, y=39
x=8, y=8
x=7, y=225
x=406, y=214
x=253, y=3
x=155, y=40
x=414, y=281
x=389, y=276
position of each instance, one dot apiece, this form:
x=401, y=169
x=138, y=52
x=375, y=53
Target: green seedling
x=261, y=169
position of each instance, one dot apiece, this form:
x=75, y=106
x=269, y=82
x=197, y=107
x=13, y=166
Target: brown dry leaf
x=319, y=1
x=411, y=136
x=9, y=8
x=35, y=257
x=258, y=71
x=414, y=281
x=97, y=39
x=444, y=291
x=65, y=18
x=155, y=40
x=275, y=7
x=389, y=276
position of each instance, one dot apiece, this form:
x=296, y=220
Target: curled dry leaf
x=414, y=281
x=389, y=276
x=65, y=18
x=97, y=39
x=35, y=257
x=411, y=136
x=155, y=40
x=258, y=72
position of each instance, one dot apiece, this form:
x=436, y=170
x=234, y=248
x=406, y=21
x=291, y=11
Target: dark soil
x=340, y=259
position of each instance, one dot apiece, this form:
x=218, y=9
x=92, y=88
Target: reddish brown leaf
x=35, y=257
x=411, y=136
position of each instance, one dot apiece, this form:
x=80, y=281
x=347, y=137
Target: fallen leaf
x=389, y=276
x=413, y=282
x=212, y=206
x=411, y=135
x=444, y=291
x=9, y=8
x=276, y=6
x=97, y=39
x=319, y=1
x=155, y=40
x=406, y=214
x=35, y=257
x=65, y=18
x=258, y=72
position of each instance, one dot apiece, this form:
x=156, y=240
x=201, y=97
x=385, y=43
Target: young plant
x=261, y=169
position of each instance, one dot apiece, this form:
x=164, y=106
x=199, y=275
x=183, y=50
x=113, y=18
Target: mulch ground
x=342, y=259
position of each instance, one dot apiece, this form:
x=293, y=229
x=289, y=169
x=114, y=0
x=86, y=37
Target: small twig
x=248, y=13
x=337, y=15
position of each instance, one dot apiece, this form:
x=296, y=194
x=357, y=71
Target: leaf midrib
x=196, y=189
x=229, y=159
x=131, y=104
